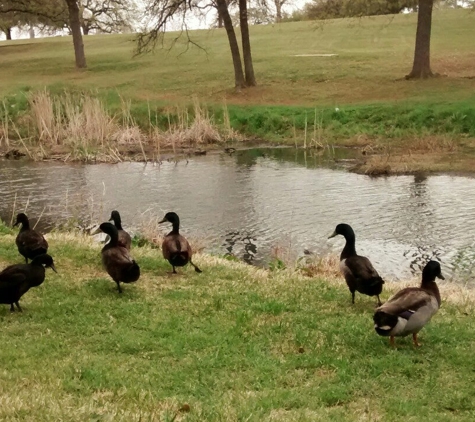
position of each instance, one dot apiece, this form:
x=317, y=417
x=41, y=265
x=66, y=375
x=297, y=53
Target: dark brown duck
x=30, y=243
x=359, y=273
x=16, y=280
x=116, y=258
x=124, y=237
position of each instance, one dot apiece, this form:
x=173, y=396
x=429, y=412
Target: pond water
x=253, y=201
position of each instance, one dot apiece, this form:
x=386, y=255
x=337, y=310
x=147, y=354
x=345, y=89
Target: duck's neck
x=349, y=249
x=176, y=227
x=25, y=225
x=429, y=285
x=114, y=235
x=118, y=223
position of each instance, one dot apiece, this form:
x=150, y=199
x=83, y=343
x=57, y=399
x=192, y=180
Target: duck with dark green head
x=116, y=258
x=359, y=273
x=124, y=237
x=17, y=279
x=175, y=248
x=30, y=243
x=410, y=309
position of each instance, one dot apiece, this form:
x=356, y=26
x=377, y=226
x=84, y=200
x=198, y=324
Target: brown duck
x=175, y=248
x=124, y=237
x=116, y=258
x=30, y=243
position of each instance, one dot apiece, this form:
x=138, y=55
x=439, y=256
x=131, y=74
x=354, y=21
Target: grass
x=356, y=98
x=234, y=343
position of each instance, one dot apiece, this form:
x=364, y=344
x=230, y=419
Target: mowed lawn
x=234, y=343
x=372, y=55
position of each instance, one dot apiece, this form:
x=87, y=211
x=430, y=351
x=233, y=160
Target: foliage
x=96, y=15
x=329, y=9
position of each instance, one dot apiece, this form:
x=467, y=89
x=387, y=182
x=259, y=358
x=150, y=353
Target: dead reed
x=80, y=126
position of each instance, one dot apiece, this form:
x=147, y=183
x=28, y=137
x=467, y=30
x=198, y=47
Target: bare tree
x=107, y=15
x=164, y=12
x=246, y=44
x=421, y=65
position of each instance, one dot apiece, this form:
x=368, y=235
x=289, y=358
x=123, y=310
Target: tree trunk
x=233, y=44
x=8, y=33
x=75, y=24
x=421, y=66
x=85, y=29
x=31, y=32
x=220, y=21
x=246, y=44
x=278, y=11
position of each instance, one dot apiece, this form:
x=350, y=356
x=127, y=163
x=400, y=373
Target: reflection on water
x=248, y=202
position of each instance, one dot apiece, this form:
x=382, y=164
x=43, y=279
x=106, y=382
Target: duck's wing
x=406, y=302
x=124, y=239
x=32, y=240
x=361, y=268
x=175, y=243
x=116, y=260
x=13, y=279
x=13, y=273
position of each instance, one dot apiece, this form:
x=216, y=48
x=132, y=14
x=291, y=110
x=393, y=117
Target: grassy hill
x=358, y=96
x=372, y=54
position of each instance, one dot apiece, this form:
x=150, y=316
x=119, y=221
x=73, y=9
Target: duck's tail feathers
x=384, y=322
x=133, y=272
x=375, y=281
x=179, y=259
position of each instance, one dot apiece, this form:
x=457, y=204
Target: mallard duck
x=116, y=258
x=175, y=248
x=411, y=308
x=124, y=237
x=359, y=273
x=30, y=243
x=16, y=280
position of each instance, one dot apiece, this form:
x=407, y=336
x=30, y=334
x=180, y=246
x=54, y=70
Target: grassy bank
x=234, y=343
x=357, y=97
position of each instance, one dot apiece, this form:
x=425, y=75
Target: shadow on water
x=250, y=201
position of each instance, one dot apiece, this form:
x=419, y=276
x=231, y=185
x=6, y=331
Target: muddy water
x=253, y=201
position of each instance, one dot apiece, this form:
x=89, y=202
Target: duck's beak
x=97, y=231
x=163, y=221
x=441, y=276
x=53, y=268
x=16, y=223
x=332, y=235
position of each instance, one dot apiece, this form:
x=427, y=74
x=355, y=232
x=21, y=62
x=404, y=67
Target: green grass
x=365, y=80
x=234, y=343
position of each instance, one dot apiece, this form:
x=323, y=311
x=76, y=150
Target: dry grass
x=82, y=124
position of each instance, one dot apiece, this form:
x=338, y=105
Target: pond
x=253, y=201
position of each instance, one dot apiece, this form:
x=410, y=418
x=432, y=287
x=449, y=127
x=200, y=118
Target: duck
x=359, y=273
x=30, y=242
x=116, y=258
x=410, y=309
x=175, y=248
x=124, y=237
x=16, y=280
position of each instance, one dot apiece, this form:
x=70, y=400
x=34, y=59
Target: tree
x=421, y=65
x=51, y=12
x=75, y=25
x=164, y=12
x=246, y=44
x=329, y=9
x=7, y=22
x=107, y=15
